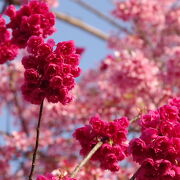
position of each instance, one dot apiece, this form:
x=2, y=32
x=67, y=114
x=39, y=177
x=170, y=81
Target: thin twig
x=6, y=134
x=135, y=174
x=86, y=159
x=82, y=25
x=8, y=129
x=37, y=141
x=133, y=177
x=4, y=7
x=134, y=119
x=101, y=15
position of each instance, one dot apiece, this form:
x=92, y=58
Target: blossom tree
x=119, y=120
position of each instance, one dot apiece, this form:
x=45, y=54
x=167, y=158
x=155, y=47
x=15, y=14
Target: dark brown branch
x=101, y=15
x=37, y=142
x=135, y=174
x=133, y=177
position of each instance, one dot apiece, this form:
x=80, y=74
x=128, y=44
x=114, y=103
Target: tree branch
x=82, y=25
x=101, y=15
x=86, y=159
x=134, y=119
x=37, y=141
x=6, y=134
x=132, y=178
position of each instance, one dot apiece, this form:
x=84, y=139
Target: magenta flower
x=49, y=73
x=156, y=170
x=157, y=149
x=8, y=50
x=31, y=19
x=113, y=150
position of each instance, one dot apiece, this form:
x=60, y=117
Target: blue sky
x=96, y=49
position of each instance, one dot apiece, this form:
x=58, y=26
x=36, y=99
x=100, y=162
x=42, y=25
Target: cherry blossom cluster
x=124, y=83
x=159, y=46
x=49, y=73
x=130, y=70
x=158, y=148
x=129, y=78
x=140, y=11
x=8, y=50
x=52, y=177
x=31, y=19
x=113, y=134
x=154, y=33
x=143, y=72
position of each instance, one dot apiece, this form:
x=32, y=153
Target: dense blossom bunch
x=158, y=148
x=31, y=19
x=4, y=33
x=141, y=11
x=113, y=134
x=49, y=73
x=8, y=50
x=126, y=79
x=129, y=70
x=52, y=177
x=158, y=46
x=142, y=74
x=124, y=84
